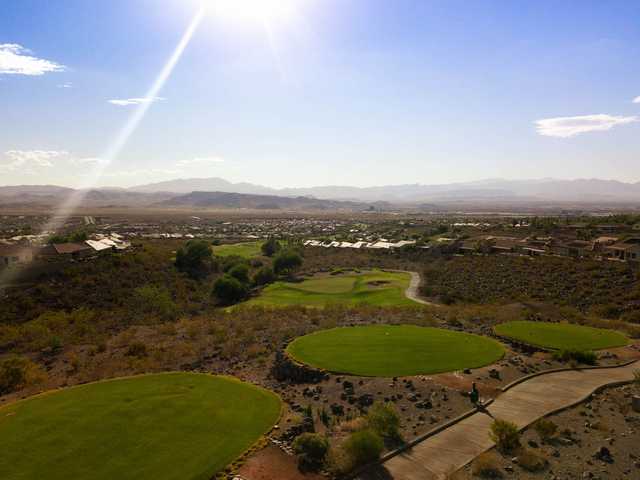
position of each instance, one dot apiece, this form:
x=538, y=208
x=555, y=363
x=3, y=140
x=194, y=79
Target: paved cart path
x=412, y=291
x=445, y=452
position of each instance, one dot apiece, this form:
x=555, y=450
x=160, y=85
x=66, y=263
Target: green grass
x=181, y=426
x=344, y=289
x=244, y=249
x=561, y=336
x=394, y=350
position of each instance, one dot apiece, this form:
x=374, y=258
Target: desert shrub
x=312, y=449
x=363, y=447
x=353, y=424
x=532, y=462
x=154, y=300
x=195, y=259
x=137, y=349
x=505, y=435
x=271, y=247
x=240, y=271
x=545, y=429
x=17, y=373
x=229, y=290
x=585, y=357
x=608, y=310
x=286, y=262
x=487, y=465
x=631, y=317
x=264, y=276
x=384, y=420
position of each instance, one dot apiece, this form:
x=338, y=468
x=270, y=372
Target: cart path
x=444, y=453
x=412, y=291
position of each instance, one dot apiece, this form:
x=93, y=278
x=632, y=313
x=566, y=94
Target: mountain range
x=588, y=190
x=219, y=193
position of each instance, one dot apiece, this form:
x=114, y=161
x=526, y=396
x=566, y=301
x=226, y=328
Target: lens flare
x=67, y=208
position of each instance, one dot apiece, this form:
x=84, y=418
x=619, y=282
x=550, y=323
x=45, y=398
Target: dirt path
x=412, y=291
x=444, y=453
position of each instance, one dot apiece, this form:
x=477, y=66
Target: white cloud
x=65, y=85
x=636, y=100
x=15, y=60
x=566, y=127
x=28, y=159
x=200, y=161
x=134, y=101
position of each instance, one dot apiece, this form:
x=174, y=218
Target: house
x=580, y=248
x=100, y=246
x=628, y=250
x=15, y=254
x=72, y=250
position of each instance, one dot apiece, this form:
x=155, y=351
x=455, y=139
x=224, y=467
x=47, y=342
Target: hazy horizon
x=355, y=93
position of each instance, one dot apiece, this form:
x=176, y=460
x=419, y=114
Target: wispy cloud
x=636, y=100
x=565, y=127
x=142, y=172
x=89, y=161
x=28, y=159
x=200, y=161
x=65, y=85
x=125, y=102
x=16, y=60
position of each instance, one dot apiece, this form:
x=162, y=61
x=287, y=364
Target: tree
x=271, y=247
x=195, y=259
x=240, y=271
x=287, y=262
x=264, y=276
x=229, y=290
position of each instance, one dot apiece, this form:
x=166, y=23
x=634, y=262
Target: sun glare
x=256, y=10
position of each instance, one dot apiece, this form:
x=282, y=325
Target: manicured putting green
x=157, y=427
x=244, y=249
x=394, y=350
x=369, y=288
x=561, y=336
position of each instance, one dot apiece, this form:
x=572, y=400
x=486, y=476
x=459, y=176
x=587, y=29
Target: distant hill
x=582, y=190
x=258, y=202
x=208, y=192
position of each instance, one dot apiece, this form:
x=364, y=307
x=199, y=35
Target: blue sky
x=358, y=92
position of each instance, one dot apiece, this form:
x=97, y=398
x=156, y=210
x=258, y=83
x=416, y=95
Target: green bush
x=505, y=435
x=240, y=272
x=287, y=262
x=545, y=429
x=384, y=420
x=16, y=373
x=585, y=357
x=312, y=449
x=264, y=276
x=229, y=290
x=363, y=447
x=155, y=300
